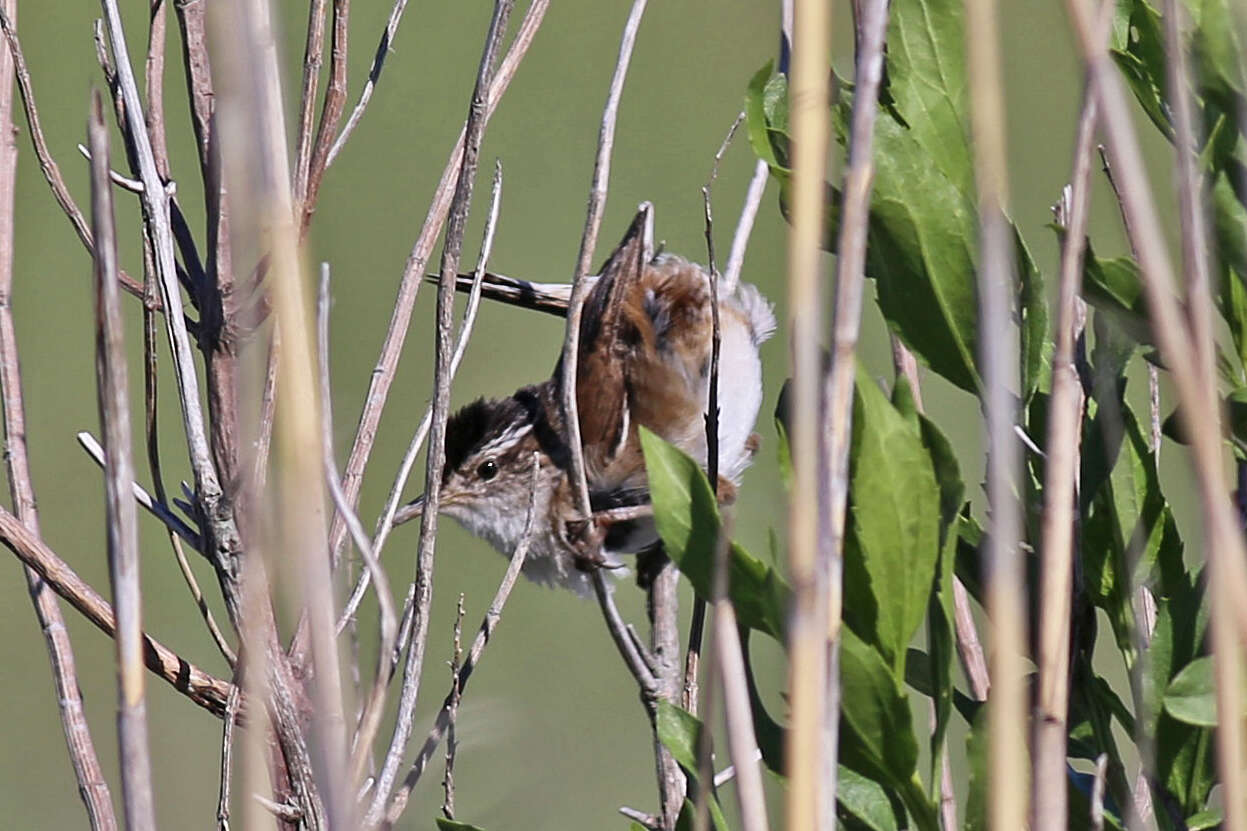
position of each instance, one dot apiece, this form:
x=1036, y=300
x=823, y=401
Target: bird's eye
x=487, y=470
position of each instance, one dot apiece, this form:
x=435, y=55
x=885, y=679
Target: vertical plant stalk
x=1186, y=352
x=121, y=514
x=1050, y=796
x=301, y=531
x=692, y=657
x=369, y=719
x=92, y=787
x=492, y=616
x=837, y=404
x=664, y=598
x=588, y=243
x=1007, y=710
x=808, y=630
x=382, y=377
x=443, y=335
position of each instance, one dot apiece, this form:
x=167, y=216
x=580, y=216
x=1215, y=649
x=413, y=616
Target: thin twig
x=452, y=715
x=451, y=251
x=697, y=625
x=387, y=623
x=178, y=531
x=121, y=517
x=374, y=75
x=808, y=629
x=313, y=56
x=151, y=504
x=330, y=112
x=1050, y=797
x=219, y=528
x=399, y=803
x=227, y=758
x=154, y=72
x=92, y=786
x=200, y=687
x=382, y=377
x=588, y=243
x=744, y=226
x=390, y=515
x=47, y=165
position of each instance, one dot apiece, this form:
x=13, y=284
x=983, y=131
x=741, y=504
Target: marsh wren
x=644, y=359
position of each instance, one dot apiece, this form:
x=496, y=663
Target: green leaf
x=444, y=824
x=1140, y=55
x=1217, y=50
x=1191, y=697
x=1130, y=530
x=1204, y=819
x=866, y=800
x=766, y=117
x=687, y=518
x=1113, y=287
x=681, y=733
x=770, y=733
x=1033, y=302
x=892, y=536
x=976, y=761
x=877, y=734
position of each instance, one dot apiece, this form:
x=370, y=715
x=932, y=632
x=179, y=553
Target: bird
x=644, y=359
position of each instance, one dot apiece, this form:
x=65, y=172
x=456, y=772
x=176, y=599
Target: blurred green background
x=552, y=733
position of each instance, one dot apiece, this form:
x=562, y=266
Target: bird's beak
x=410, y=511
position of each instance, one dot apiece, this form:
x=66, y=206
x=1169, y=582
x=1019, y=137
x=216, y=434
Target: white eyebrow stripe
x=508, y=439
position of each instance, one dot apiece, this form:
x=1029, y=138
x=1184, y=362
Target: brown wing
x=608, y=332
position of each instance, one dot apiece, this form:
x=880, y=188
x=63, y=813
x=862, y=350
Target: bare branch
x=374, y=75
x=51, y=171
x=92, y=787
x=451, y=251
x=399, y=803
x=121, y=517
x=588, y=243
x=387, y=363
x=390, y=513
x=227, y=758
x=744, y=226
x=697, y=624
x=370, y=718
x=452, y=744
x=200, y=687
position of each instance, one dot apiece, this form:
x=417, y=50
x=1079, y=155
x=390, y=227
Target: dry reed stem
x=451, y=252
x=807, y=651
x=442, y=723
x=1009, y=787
x=301, y=529
x=1050, y=795
x=1186, y=352
x=837, y=403
x=382, y=377
x=387, y=623
x=121, y=517
x=92, y=787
